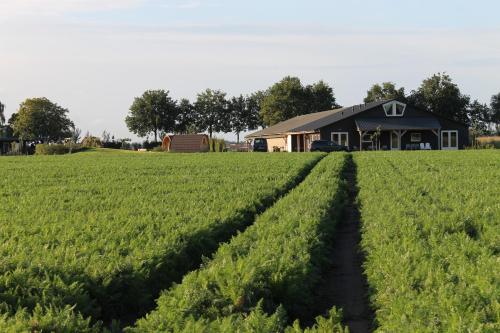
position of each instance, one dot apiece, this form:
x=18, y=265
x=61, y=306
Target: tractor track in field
x=219, y=237
x=343, y=284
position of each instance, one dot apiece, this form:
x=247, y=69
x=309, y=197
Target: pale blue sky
x=94, y=56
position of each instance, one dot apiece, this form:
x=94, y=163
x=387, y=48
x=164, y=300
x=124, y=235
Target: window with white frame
x=315, y=136
x=341, y=138
x=416, y=137
x=449, y=139
x=394, y=109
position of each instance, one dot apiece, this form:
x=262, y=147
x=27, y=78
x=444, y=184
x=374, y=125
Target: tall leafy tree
x=442, y=96
x=478, y=115
x=386, y=90
x=244, y=113
x=2, y=115
x=238, y=113
x=186, y=117
x=254, y=103
x=321, y=97
x=288, y=98
x=152, y=113
x=495, y=111
x=212, y=112
x=41, y=119
x=284, y=100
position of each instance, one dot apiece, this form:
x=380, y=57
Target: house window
x=416, y=137
x=310, y=138
x=394, y=109
x=449, y=140
x=340, y=138
x=315, y=137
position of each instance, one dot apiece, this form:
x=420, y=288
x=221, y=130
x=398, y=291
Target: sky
x=94, y=56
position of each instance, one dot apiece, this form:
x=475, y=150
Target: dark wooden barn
x=385, y=125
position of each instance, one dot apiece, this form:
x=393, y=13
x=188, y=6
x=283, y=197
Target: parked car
x=327, y=146
x=260, y=144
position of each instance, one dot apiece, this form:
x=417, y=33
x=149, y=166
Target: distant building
x=396, y=126
x=189, y=143
x=8, y=142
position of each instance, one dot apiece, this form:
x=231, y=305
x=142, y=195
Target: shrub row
x=430, y=232
x=275, y=261
x=57, y=149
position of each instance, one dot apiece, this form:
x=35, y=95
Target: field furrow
x=98, y=235
x=271, y=268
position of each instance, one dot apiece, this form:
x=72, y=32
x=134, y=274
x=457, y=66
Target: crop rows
x=431, y=224
x=98, y=235
x=270, y=268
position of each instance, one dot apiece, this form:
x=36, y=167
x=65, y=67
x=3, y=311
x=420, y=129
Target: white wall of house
x=276, y=142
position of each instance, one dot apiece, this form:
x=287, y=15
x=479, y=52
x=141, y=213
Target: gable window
x=449, y=140
x=341, y=138
x=416, y=137
x=394, y=109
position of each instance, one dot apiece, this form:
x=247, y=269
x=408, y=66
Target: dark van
x=260, y=144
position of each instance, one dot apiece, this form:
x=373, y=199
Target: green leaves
x=152, y=113
x=275, y=261
x=289, y=98
x=105, y=232
x=41, y=119
x=431, y=262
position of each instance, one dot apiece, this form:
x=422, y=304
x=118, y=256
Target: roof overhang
x=276, y=135
x=397, y=123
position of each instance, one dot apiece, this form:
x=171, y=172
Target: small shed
x=188, y=143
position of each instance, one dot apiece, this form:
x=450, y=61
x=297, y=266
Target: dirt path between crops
x=344, y=284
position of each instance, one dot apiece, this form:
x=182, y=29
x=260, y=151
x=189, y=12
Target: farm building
x=8, y=142
x=189, y=143
x=386, y=125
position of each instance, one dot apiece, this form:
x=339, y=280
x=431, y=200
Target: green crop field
x=239, y=242
x=431, y=232
x=104, y=233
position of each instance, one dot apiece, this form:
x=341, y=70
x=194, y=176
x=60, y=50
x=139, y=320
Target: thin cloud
x=12, y=8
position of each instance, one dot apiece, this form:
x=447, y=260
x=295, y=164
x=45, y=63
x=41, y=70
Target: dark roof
x=397, y=123
x=313, y=121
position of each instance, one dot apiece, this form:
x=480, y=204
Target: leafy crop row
x=99, y=235
x=431, y=224
x=270, y=268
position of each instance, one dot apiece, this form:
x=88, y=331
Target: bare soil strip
x=344, y=284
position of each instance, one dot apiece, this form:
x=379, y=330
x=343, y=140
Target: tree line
x=156, y=113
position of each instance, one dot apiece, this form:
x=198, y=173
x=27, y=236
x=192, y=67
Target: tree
x=39, y=118
x=186, y=117
x=495, y=111
x=244, y=113
x=106, y=136
x=152, y=113
x=440, y=95
x=288, y=98
x=387, y=90
x=321, y=97
x=284, y=100
x=254, y=102
x=212, y=112
x=238, y=110
x=478, y=119
x=2, y=115
x=75, y=134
